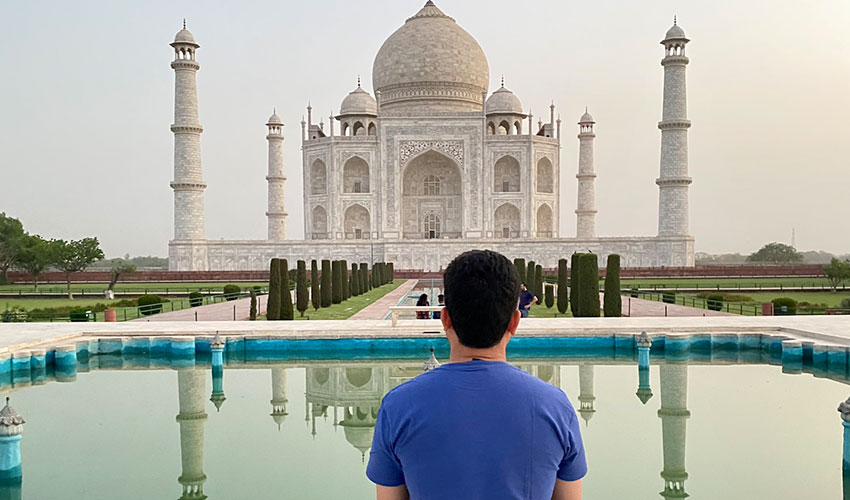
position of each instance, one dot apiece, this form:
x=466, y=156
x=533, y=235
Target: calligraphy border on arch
x=409, y=149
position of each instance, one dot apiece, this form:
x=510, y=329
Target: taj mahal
x=430, y=165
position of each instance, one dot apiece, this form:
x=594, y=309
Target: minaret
x=586, y=398
x=192, y=417
x=188, y=183
x=586, y=200
x=279, y=400
x=673, y=183
x=276, y=179
x=674, y=417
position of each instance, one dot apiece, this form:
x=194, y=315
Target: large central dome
x=431, y=64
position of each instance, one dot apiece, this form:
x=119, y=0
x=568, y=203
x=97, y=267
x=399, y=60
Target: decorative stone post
x=279, y=400
x=431, y=363
x=217, y=349
x=11, y=430
x=644, y=343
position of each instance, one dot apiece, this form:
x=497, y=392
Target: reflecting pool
x=711, y=427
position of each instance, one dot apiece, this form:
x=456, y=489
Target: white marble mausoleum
x=429, y=165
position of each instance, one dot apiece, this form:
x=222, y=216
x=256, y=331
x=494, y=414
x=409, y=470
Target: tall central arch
x=432, y=197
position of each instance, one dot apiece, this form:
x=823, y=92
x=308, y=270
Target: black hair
x=423, y=300
x=482, y=291
x=441, y=298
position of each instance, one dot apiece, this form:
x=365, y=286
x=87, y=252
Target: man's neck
x=461, y=354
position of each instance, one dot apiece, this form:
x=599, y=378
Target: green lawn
x=541, y=311
x=728, y=283
x=30, y=304
x=348, y=308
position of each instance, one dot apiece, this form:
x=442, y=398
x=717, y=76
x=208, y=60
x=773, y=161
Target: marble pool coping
x=833, y=330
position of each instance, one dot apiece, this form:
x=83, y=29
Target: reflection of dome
x=217, y=399
x=321, y=375
x=503, y=102
x=644, y=394
x=675, y=33
x=431, y=60
x=359, y=427
x=358, y=102
x=587, y=414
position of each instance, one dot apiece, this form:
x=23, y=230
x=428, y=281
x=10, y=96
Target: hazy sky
x=87, y=100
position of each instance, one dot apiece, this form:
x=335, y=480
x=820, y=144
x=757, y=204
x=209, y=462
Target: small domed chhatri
x=503, y=101
x=358, y=102
x=185, y=36
x=274, y=119
x=675, y=32
x=586, y=118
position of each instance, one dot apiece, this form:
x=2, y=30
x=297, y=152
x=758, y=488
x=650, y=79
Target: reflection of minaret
x=217, y=349
x=674, y=416
x=586, y=398
x=279, y=400
x=644, y=344
x=192, y=417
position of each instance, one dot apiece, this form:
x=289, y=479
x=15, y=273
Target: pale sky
x=87, y=101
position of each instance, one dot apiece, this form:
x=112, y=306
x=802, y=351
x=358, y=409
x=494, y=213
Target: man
x=441, y=301
x=477, y=427
x=526, y=299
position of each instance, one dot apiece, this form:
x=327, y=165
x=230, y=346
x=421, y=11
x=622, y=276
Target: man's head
x=523, y=287
x=482, y=291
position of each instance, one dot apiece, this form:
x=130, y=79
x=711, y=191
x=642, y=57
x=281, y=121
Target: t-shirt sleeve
x=573, y=466
x=384, y=466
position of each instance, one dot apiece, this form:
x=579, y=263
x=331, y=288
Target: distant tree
x=613, y=305
x=588, y=295
x=327, y=287
x=837, y=272
x=346, y=286
x=35, y=255
x=336, y=282
x=529, y=276
x=275, y=290
x=776, y=253
x=119, y=267
x=302, y=293
x=519, y=265
x=286, y=312
x=11, y=237
x=315, y=289
x=252, y=314
x=575, y=286
x=75, y=256
x=563, y=291
x=355, y=280
x=538, y=281
x=391, y=271
x=550, y=295
x=364, y=277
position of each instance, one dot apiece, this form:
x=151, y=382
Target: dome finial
x=675, y=21
x=503, y=81
x=358, y=81
x=184, y=23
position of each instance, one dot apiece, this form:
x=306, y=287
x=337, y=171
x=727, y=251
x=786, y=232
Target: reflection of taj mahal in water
x=351, y=395
x=431, y=165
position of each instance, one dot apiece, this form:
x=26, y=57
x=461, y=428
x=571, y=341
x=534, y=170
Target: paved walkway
x=642, y=308
x=380, y=308
x=223, y=311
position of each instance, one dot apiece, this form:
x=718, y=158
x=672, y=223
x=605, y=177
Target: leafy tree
x=11, y=237
x=286, y=312
x=776, y=253
x=35, y=255
x=275, y=289
x=837, y=272
x=252, y=314
x=550, y=295
x=613, y=305
x=563, y=292
x=302, y=299
x=75, y=256
x=575, y=286
x=327, y=288
x=519, y=265
x=119, y=267
x=315, y=290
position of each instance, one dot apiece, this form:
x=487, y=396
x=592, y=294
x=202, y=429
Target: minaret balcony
x=276, y=178
x=188, y=186
x=187, y=129
x=675, y=61
x=185, y=64
x=674, y=124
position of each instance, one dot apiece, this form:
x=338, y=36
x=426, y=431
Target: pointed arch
x=545, y=176
x=319, y=222
x=506, y=176
x=356, y=222
x=372, y=128
x=358, y=128
x=544, y=221
x=491, y=128
x=318, y=177
x=432, y=183
x=504, y=128
x=355, y=175
x=506, y=221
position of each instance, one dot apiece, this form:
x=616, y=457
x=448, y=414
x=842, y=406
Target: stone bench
x=396, y=310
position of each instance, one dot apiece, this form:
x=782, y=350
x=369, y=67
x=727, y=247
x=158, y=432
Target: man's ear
x=444, y=318
x=513, y=323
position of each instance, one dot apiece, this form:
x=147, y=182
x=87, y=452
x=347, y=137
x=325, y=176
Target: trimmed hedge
x=550, y=295
x=302, y=299
x=355, y=280
x=563, y=290
x=538, y=281
x=519, y=265
x=196, y=299
x=346, y=287
x=575, y=286
x=336, y=282
x=231, y=291
x=327, y=288
x=714, y=302
x=529, y=276
x=613, y=305
x=286, y=312
x=252, y=313
x=275, y=288
x=588, y=296
x=149, y=304
x=315, y=289
x=668, y=298
x=789, y=304
x=391, y=272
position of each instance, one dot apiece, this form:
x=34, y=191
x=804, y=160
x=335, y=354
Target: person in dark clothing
x=526, y=299
x=442, y=303
x=423, y=301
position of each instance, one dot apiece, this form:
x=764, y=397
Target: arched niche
x=355, y=175
x=544, y=221
x=318, y=178
x=319, y=222
x=545, y=176
x=432, y=186
x=506, y=221
x=506, y=177
x=356, y=222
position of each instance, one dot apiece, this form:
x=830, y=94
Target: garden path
x=380, y=308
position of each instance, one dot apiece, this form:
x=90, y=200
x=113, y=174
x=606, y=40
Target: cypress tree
x=382, y=278
x=372, y=277
x=613, y=302
x=529, y=275
x=273, y=305
x=391, y=270
x=575, y=287
x=336, y=282
x=302, y=299
x=327, y=274
x=550, y=295
x=355, y=280
x=286, y=312
x=346, y=287
x=362, y=276
x=563, y=292
x=315, y=290
x=519, y=265
x=252, y=314
x=589, y=294
x=538, y=281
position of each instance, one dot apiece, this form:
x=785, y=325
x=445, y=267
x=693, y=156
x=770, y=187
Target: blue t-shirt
x=525, y=298
x=479, y=429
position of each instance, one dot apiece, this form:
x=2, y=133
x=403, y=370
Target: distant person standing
x=441, y=299
x=526, y=299
x=423, y=301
